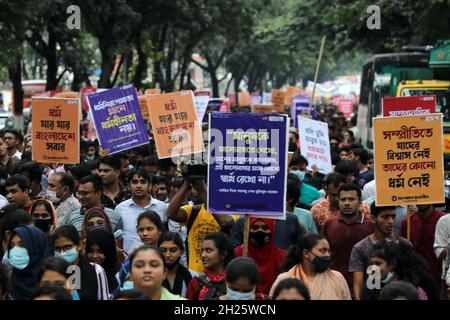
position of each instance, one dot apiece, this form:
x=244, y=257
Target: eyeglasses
x=83, y=193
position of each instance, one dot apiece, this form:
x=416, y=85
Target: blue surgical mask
x=75, y=295
x=388, y=277
x=19, y=258
x=90, y=158
x=70, y=256
x=234, y=295
x=299, y=174
x=128, y=285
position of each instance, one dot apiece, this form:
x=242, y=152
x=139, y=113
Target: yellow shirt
x=204, y=224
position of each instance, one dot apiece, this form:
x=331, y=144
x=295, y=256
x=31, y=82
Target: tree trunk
x=52, y=64
x=116, y=75
x=214, y=83
x=141, y=68
x=228, y=84
x=15, y=75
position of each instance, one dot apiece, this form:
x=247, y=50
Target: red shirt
x=422, y=238
x=342, y=236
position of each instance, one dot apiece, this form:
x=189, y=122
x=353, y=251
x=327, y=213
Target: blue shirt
x=306, y=219
x=129, y=211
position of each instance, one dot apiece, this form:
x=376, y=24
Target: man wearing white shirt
x=139, y=186
x=13, y=139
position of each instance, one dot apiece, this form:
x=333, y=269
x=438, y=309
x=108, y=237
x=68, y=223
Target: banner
x=55, y=130
x=278, y=100
x=315, y=144
x=206, y=93
x=84, y=92
x=346, y=107
x=408, y=106
x=408, y=160
x=118, y=120
x=175, y=124
x=247, y=164
x=263, y=108
x=290, y=92
x=201, y=104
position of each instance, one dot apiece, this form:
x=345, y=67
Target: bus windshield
x=442, y=105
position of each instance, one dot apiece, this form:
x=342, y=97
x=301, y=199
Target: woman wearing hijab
x=96, y=218
x=101, y=249
x=67, y=245
x=27, y=249
x=262, y=249
x=44, y=215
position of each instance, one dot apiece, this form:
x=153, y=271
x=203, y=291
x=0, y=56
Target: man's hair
x=160, y=179
x=346, y=167
x=111, y=160
x=350, y=187
x=150, y=161
x=19, y=180
x=298, y=159
x=95, y=180
x=293, y=189
x=66, y=180
x=362, y=154
x=140, y=172
x=34, y=170
x=132, y=294
x=165, y=164
x=376, y=210
x=292, y=283
x=79, y=171
x=334, y=179
x=123, y=156
x=16, y=133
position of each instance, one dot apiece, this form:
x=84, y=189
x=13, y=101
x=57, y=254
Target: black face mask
x=43, y=224
x=321, y=263
x=173, y=265
x=260, y=238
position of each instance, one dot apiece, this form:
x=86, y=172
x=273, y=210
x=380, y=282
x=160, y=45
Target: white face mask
x=51, y=195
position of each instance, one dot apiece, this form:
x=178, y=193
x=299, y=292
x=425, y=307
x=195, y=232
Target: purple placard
x=214, y=105
x=118, y=119
x=252, y=178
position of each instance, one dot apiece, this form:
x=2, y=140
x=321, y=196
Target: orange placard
x=244, y=99
x=153, y=91
x=175, y=125
x=263, y=108
x=290, y=92
x=278, y=100
x=408, y=160
x=55, y=129
x=144, y=108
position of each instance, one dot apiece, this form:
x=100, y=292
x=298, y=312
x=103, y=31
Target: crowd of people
x=131, y=226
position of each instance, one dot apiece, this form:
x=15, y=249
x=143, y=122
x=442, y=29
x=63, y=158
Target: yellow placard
x=244, y=99
x=408, y=160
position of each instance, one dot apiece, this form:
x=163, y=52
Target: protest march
x=293, y=173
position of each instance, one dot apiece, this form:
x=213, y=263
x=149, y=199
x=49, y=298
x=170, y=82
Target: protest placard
x=255, y=98
x=278, y=100
x=225, y=107
x=55, y=130
x=408, y=160
x=214, y=105
x=201, y=104
x=144, y=107
x=152, y=91
x=118, y=120
x=315, y=144
x=409, y=106
x=84, y=92
x=267, y=98
x=244, y=99
x=175, y=124
x=263, y=108
x=300, y=107
x=346, y=107
x=247, y=164
x=290, y=92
